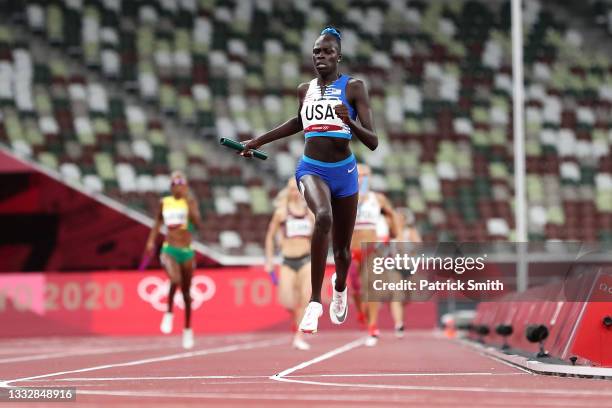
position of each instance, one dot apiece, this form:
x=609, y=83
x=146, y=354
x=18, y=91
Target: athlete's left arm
x=387, y=209
x=194, y=213
x=357, y=94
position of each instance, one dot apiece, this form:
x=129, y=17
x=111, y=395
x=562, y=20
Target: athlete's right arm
x=290, y=127
x=150, y=246
x=270, y=235
x=194, y=212
x=387, y=209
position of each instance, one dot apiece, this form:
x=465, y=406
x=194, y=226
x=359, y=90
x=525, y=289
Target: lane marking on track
x=339, y=350
x=491, y=390
x=506, y=363
x=402, y=374
x=473, y=347
x=7, y=351
x=186, y=377
x=83, y=352
x=283, y=376
x=177, y=356
x=234, y=377
x=425, y=399
x=253, y=396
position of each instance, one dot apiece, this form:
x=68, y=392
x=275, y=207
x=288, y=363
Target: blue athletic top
x=318, y=116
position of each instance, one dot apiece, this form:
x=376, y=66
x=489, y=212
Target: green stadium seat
x=104, y=166
x=224, y=69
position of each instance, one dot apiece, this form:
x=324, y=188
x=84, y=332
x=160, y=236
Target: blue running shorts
x=341, y=177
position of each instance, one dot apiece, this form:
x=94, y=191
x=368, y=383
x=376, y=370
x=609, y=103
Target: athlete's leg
x=353, y=276
x=373, y=331
x=171, y=293
x=373, y=314
x=397, y=302
x=344, y=210
x=318, y=197
x=173, y=271
x=397, y=312
x=302, y=291
x=186, y=274
x=372, y=305
x=286, y=289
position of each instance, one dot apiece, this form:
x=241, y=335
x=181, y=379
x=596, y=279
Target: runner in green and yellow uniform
x=179, y=213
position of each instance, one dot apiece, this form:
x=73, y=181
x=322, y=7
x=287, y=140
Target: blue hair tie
x=332, y=31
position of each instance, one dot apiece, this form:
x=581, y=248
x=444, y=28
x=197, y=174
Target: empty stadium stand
x=115, y=94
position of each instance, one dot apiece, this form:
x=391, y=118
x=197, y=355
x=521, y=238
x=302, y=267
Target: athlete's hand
x=273, y=276
x=149, y=248
x=248, y=146
x=343, y=113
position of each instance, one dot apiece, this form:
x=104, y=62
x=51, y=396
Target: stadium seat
x=223, y=69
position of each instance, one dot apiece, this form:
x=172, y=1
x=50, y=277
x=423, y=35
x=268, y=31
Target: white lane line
x=403, y=375
x=283, y=376
x=427, y=400
x=322, y=357
x=83, y=352
x=9, y=351
x=491, y=390
x=481, y=352
x=187, y=377
x=234, y=377
x=506, y=363
x=216, y=350
x=254, y=396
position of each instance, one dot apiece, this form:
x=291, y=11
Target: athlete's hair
x=177, y=174
x=334, y=32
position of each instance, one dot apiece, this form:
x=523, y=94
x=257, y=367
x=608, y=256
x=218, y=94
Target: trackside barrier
x=576, y=328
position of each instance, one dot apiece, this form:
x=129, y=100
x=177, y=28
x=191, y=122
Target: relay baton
x=273, y=277
x=232, y=144
x=144, y=262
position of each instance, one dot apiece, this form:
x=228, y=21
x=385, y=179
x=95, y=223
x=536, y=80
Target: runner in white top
x=291, y=227
x=408, y=233
x=370, y=207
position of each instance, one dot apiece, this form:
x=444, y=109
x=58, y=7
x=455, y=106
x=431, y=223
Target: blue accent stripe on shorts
x=340, y=135
x=328, y=164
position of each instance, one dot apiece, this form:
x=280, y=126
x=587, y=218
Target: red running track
x=262, y=370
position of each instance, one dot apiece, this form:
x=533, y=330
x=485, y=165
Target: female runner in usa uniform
x=329, y=107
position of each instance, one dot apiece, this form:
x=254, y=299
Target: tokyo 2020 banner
x=224, y=300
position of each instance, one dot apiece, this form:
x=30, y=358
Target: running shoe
x=372, y=339
x=166, y=323
x=338, y=307
x=399, y=331
x=187, y=338
x=310, y=321
x=300, y=344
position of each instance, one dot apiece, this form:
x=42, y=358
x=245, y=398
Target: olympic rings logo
x=605, y=288
x=154, y=290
